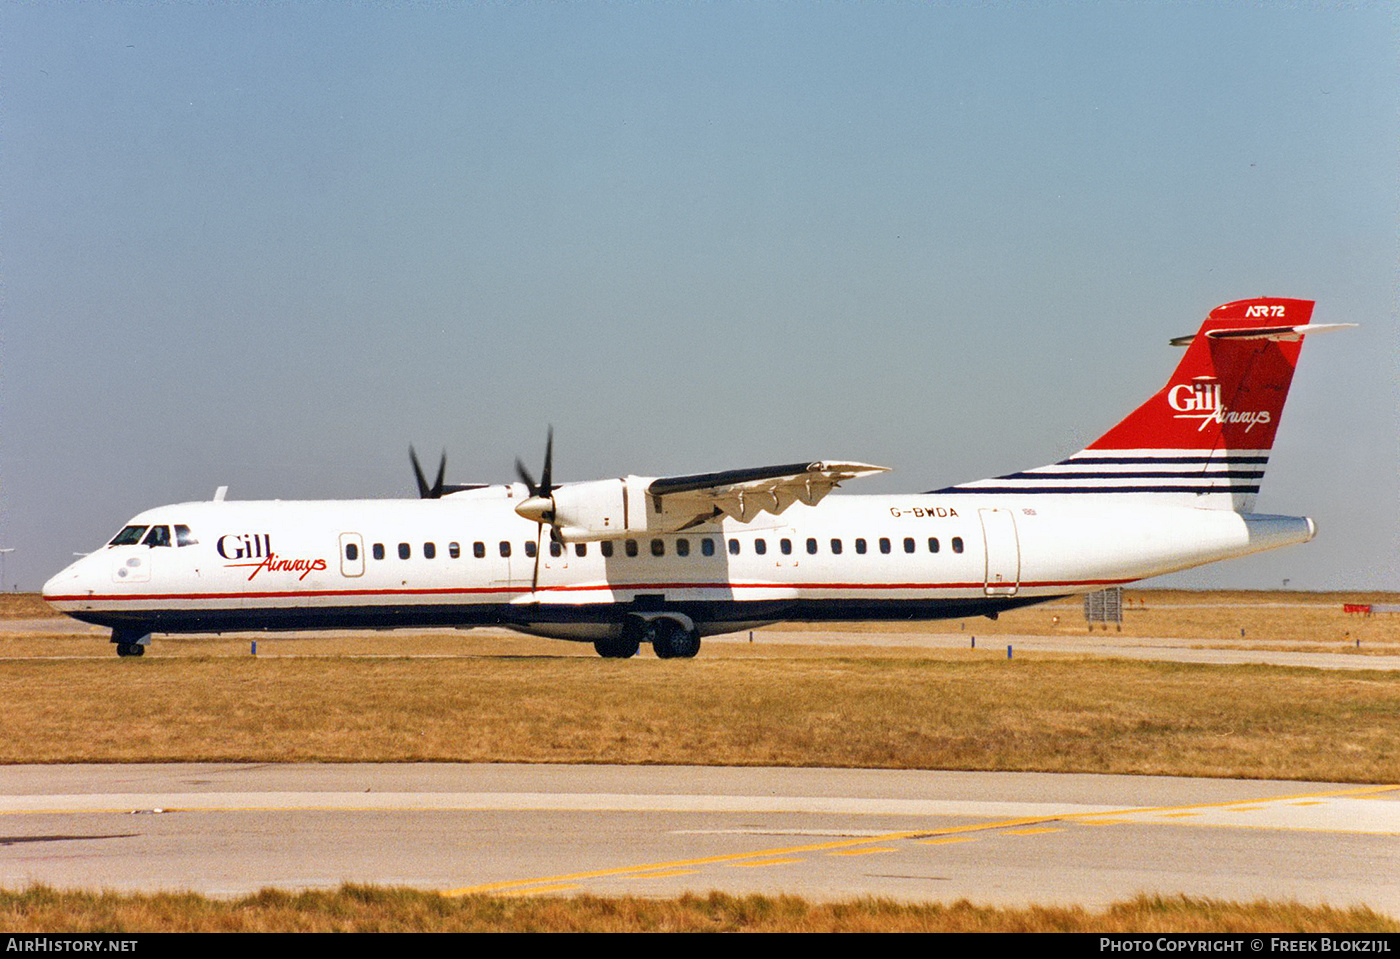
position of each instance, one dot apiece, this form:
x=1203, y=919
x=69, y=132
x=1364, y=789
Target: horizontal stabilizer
x=1279, y=334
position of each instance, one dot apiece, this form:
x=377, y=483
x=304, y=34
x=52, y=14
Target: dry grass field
x=412, y=697
x=366, y=909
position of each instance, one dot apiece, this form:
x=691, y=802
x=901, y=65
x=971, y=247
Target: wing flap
x=744, y=494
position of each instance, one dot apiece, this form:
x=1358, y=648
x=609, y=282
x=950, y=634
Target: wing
x=743, y=494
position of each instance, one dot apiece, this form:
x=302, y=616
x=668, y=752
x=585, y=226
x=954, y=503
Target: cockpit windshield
x=155, y=536
x=158, y=536
x=128, y=537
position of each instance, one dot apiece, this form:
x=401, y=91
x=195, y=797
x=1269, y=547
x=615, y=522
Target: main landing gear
x=670, y=638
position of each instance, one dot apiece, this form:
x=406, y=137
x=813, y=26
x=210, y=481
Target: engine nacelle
x=605, y=509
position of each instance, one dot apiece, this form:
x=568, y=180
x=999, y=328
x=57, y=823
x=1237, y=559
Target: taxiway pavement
x=994, y=838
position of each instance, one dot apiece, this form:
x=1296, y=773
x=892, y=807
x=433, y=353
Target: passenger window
x=556, y=549
x=129, y=536
x=505, y=548
x=378, y=550
x=707, y=547
x=479, y=549
x=530, y=548
x=658, y=548
x=607, y=547
x=682, y=547
x=404, y=551
x=580, y=549
x=733, y=547
x=860, y=545
x=884, y=544
x=183, y=537
x=454, y=550
x=909, y=544
x=786, y=546
x=760, y=546
x=811, y=546
x=836, y=547
x=352, y=552
x=933, y=544
x=957, y=544
x=631, y=547
x=158, y=536
x=430, y=551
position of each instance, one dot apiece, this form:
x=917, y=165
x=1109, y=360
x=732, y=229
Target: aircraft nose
x=65, y=583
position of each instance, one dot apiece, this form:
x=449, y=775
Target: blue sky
x=269, y=246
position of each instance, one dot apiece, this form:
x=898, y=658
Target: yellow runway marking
x=741, y=858
x=945, y=842
x=668, y=873
x=862, y=852
x=536, y=890
x=1164, y=810
x=1032, y=832
x=763, y=862
x=760, y=857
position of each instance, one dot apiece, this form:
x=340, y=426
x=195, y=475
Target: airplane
x=663, y=561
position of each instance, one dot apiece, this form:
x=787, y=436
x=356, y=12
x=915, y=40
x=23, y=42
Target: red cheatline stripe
x=602, y=587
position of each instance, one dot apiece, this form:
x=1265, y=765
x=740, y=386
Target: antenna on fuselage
x=220, y=493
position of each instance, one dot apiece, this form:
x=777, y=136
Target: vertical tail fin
x=1203, y=439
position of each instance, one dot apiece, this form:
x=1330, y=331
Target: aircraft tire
x=671, y=640
x=686, y=643
x=130, y=649
x=658, y=633
x=618, y=647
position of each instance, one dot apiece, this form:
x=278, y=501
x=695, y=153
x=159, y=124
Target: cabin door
x=352, y=555
x=1003, y=552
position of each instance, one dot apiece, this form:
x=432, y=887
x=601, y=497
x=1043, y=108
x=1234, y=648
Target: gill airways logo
x=1200, y=400
x=258, y=548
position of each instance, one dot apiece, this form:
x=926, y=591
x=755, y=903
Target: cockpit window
x=183, y=537
x=158, y=536
x=128, y=537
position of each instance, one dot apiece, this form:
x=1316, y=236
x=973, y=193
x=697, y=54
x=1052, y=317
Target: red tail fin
x=1203, y=439
x=1228, y=390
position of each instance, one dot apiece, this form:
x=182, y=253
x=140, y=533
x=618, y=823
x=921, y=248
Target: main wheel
x=130, y=649
x=618, y=647
x=671, y=640
x=658, y=633
x=685, y=643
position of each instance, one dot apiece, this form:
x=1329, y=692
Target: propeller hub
x=537, y=509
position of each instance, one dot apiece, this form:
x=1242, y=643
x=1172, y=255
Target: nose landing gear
x=131, y=642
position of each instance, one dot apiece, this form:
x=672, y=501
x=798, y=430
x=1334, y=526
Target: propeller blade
x=424, y=490
x=540, y=505
x=442, y=471
x=547, y=480
x=539, y=542
x=526, y=478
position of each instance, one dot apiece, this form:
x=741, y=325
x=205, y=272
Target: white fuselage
x=466, y=559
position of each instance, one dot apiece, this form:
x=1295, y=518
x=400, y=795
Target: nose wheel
x=130, y=642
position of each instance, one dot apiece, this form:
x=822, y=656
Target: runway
x=993, y=838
